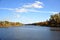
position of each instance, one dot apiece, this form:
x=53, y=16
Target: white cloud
x=29, y=7
x=26, y=8
x=39, y=2
x=21, y=10
x=36, y=4
x=55, y=12
x=7, y=8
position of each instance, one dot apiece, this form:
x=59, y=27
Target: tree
x=55, y=19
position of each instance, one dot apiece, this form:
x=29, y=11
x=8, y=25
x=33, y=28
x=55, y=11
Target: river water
x=29, y=32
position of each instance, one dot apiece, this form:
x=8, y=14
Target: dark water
x=29, y=33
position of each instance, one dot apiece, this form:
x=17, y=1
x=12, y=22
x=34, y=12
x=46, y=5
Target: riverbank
x=9, y=24
x=54, y=21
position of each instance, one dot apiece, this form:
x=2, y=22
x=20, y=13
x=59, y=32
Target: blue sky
x=28, y=11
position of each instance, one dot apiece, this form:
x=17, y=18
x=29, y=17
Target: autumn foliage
x=54, y=21
x=7, y=24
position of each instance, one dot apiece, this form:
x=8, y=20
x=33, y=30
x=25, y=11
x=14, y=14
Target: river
x=29, y=32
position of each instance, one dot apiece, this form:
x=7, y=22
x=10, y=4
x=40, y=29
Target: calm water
x=29, y=33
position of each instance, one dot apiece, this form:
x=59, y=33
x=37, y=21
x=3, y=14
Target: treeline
x=54, y=21
x=7, y=24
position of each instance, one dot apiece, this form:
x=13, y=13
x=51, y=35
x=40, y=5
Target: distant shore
x=47, y=23
x=54, y=21
x=9, y=24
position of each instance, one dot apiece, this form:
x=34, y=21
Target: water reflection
x=55, y=33
x=55, y=28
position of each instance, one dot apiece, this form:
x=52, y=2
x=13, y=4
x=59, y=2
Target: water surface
x=29, y=32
